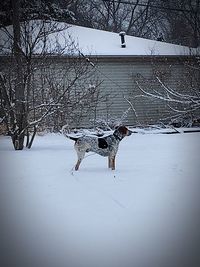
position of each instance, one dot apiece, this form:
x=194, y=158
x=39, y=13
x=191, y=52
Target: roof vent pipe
x=122, y=35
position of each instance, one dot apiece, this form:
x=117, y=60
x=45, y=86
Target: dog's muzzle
x=129, y=132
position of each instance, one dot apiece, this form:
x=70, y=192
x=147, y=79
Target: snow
x=104, y=43
x=98, y=42
x=143, y=214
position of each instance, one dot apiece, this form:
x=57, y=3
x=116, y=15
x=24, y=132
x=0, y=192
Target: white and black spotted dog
x=105, y=146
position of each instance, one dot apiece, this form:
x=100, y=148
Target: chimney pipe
x=122, y=35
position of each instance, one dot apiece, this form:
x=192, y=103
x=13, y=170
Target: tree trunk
x=18, y=132
x=32, y=138
x=18, y=141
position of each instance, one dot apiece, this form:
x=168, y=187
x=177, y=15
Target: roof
x=99, y=43
x=104, y=43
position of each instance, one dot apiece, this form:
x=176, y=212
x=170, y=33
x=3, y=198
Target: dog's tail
x=65, y=131
x=72, y=138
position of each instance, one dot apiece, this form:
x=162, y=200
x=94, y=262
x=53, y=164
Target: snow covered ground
x=143, y=214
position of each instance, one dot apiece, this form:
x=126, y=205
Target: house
x=128, y=64
x=132, y=71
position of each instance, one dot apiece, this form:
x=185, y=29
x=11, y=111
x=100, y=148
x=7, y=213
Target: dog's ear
x=122, y=129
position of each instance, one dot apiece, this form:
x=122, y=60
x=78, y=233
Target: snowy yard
x=143, y=214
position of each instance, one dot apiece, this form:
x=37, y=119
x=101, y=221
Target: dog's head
x=122, y=131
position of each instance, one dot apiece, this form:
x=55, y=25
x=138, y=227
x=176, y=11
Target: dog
x=105, y=146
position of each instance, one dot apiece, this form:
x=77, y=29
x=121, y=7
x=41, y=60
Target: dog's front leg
x=112, y=162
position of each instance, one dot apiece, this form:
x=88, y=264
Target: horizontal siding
x=118, y=81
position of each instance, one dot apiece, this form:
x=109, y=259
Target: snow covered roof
x=104, y=43
x=96, y=42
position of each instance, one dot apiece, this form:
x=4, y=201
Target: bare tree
x=180, y=98
x=58, y=10
x=64, y=89
x=111, y=15
x=179, y=21
x=18, y=117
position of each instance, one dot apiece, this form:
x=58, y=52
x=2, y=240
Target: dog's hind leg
x=109, y=162
x=80, y=155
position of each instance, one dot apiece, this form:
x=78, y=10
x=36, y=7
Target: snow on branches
x=179, y=93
